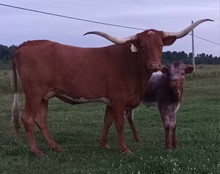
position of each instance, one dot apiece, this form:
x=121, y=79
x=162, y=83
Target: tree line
x=203, y=58
x=168, y=57
x=6, y=53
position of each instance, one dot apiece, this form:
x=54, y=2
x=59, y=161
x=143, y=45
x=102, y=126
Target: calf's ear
x=169, y=40
x=164, y=69
x=188, y=69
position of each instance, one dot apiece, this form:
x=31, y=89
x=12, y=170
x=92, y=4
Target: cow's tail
x=15, y=111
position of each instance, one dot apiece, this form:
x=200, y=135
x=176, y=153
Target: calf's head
x=150, y=43
x=176, y=75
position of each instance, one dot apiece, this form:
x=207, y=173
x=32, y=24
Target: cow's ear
x=133, y=48
x=189, y=69
x=169, y=40
x=165, y=70
x=135, y=45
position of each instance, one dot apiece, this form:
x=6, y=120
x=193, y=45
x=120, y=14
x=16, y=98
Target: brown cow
x=164, y=90
x=115, y=75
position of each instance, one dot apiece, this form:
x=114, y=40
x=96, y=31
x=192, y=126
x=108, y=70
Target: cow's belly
x=130, y=102
x=73, y=100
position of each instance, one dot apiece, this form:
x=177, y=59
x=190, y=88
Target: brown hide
x=47, y=69
x=91, y=73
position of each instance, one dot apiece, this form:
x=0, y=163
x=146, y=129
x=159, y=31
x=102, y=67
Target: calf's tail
x=15, y=111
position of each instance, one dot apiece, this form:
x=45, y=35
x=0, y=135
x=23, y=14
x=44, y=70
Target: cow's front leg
x=108, y=119
x=130, y=117
x=118, y=111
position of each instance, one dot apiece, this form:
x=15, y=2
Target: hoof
x=106, y=146
x=57, y=149
x=137, y=140
x=38, y=154
x=127, y=152
x=174, y=146
x=168, y=147
x=54, y=147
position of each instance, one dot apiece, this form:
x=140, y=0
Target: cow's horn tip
x=85, y=34
x=209, y=20
x=90, y=32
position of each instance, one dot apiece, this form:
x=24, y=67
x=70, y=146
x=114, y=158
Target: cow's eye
x=142, y=47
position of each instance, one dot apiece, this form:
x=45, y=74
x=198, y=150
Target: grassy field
x=77, y=130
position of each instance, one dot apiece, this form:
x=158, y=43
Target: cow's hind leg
x=27, y=118
x=41, y=121
x=108, y=119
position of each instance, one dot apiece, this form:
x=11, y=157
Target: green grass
x=5, y=66
x=77, y=130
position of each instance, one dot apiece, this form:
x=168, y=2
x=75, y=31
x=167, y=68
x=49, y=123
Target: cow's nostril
x=155, y=67
x=174, y=84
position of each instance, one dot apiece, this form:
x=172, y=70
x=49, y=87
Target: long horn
x=112, y=38
x=188, y=29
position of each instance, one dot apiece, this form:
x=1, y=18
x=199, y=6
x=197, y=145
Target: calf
x=164, y=90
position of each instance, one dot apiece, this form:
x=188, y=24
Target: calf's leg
x=167, y=130
x=173, y=130
x=168, y=144
x=169, y=122
x=174, y=139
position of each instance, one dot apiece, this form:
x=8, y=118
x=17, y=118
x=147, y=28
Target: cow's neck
x=143, y=75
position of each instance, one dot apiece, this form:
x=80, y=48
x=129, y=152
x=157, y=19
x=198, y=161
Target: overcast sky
x=17, y=26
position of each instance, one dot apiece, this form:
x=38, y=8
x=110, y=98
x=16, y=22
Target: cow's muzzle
x=175, y=86
x=154, y=67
